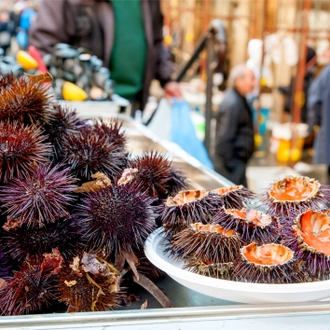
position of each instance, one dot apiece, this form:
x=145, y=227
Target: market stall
x=192, y=310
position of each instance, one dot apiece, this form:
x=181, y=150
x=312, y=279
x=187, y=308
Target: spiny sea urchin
x=295, y=194
x=21, y=148
x=113, y=130
x=268, y=263
x=252, y=225
x=63, y=234
x=6, y=80
x=220, y=271
x=309, y=238
x=156, y=175
x=119, y=218
x=89, y=152
x=188, y=207
x=65, y=121
x=26, y=102
x=41, y=197
x=234, y=197
x=88, y=284
x=31, y=287
x=207, y=243
x=4, y=264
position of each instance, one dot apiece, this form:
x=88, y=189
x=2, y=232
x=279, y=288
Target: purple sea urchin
x=186, y=208
x=65, y=122
x=32, y=287
x=234, y=197
x=112, y=129
x=207, y=243
x=295, y=194
x=21, y=148
x=63, y=234
x=88, y=284
x=309, y=238
x=89, y=152
x=4, y=264
x=40, y=197
x=220, y=271
x=268, y=263
x=156, y=175
x=119, y=218
x=26, y=102
x=6, y=81
x=250, y=224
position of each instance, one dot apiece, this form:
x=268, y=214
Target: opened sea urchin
x=186, y=208
x=207, y=243
x=250, y=224
x=268, y=263
x=295, y=194
x=234, y=197
x=309, y=238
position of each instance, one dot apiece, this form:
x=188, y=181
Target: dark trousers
x=235, y=172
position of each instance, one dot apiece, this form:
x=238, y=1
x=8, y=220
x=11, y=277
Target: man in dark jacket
x=319, y=115
x=126, y=35
x=234, y=132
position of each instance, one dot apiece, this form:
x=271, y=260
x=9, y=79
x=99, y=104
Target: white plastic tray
x=253, y=293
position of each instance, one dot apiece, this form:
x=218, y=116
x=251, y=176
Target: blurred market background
x=271, y=36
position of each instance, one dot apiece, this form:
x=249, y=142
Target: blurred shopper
x=27, y=18
x=126, y=35
x=308, y=78
x=6, y=31
x=234, y=144
x=319, y=116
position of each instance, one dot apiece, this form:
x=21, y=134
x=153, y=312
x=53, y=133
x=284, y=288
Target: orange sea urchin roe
x=267, y=254
x=314, y=228
x=294, y=189
x=237, y=213
x=225, y=190
x=212, y=228
x=258, y=218
x=184, y=197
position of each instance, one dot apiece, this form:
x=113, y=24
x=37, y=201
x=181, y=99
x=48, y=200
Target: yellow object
x=26, y=60
x=287, y=153
x=168, y=40
x=72, y=92
x=257, y=140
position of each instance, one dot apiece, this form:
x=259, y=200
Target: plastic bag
x=173, y=122
x=160, y=122
x=183, y=132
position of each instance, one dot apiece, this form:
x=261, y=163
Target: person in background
x=126, y=35
x=6, y=31
x=319, y=117
x=308, y=78
x=234, y=143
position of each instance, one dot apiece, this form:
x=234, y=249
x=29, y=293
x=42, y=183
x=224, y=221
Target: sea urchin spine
x=40, y=197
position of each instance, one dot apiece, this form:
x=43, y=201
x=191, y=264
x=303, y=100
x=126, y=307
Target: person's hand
x=172, y=89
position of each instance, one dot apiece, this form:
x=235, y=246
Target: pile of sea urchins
x=75, y=206
x=220, y=234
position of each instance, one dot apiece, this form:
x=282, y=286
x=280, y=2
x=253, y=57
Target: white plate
x=252, y=293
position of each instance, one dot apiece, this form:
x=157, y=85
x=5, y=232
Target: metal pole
x=209, y=86
x=298, y=95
